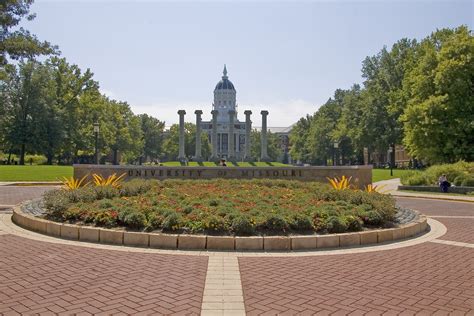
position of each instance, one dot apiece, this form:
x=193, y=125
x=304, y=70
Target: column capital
x=247, y=112
x=181, y=112
x=198, y=112
x=264, y=112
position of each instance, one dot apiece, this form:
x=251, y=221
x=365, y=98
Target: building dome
x=225, y=83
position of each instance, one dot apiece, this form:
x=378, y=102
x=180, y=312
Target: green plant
x=135, y=187
x=56, y=202
x=242, y=226
x=340, y=184
x=276, y=223
x=72, y=183
x=135, y=220
x=105, y=218
x=172, y=222
x=111, y=181
x=300, y=222
x=468, y=182
x=336, y=224
x=105, y=192
x=214, y=223
x=154, y=221
x=354, y=223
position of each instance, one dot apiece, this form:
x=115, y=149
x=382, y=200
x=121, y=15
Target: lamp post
x=390, y=153
x=96, y=133
x=336, y=146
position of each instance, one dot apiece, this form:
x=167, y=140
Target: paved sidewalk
x=391, y=187
x=38, y=277
x=428, y=275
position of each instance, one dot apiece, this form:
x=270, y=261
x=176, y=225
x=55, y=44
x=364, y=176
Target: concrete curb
x=434, y=197
x=228, y=243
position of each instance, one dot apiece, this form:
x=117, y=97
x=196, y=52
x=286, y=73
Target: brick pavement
x=40, y=278
x=437, y=207
x=430, y=279
x=12, y=195
x=459, y=229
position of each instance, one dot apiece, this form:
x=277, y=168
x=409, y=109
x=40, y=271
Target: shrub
x=276, y=223
x=172, y=222
x=300, y=222
x=106, y=192
x=468, y=182
x=73, y=214
x=154, y=221
x=414, y=178
x=336, y=224
x=450, y=170
x=242, y=226
x=354, y=223
x=106, y=218
x=373, y=218
x=105, y=203
x=135, y=187
x=135, y=220
x=56, y=203
x=214, y=223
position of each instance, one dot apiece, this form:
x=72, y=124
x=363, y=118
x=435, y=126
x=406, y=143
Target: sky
x=287, y=57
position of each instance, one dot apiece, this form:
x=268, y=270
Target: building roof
x=225, y=83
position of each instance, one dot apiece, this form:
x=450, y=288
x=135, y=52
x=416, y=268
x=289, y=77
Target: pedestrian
x=443, y=183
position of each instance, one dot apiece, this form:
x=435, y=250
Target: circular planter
x=201, y=242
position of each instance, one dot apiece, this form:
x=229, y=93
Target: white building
x=225, y=102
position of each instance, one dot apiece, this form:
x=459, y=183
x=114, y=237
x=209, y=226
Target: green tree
x=17, y=43
x=152, y=129
x=299, y=149
x=274, y=149
x=439, y=117
x=171, y=143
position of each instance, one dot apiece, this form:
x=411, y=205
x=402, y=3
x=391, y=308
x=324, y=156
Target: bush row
x=224, y=207
x=460, y=174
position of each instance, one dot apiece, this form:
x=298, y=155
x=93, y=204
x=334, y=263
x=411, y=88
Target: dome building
x=228, y=124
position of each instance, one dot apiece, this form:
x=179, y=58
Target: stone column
x=214, y=135
x=231, y=147
x=197, y=155
x=181, y=155
x=264, y=140
x=248, y=129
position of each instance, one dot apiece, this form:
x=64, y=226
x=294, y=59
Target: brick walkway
x=11, y=195
x=428, y=278
x=38, y=277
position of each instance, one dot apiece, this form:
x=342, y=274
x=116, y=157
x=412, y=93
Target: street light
x=336, y=146
x=96, y=132
x=390, y=153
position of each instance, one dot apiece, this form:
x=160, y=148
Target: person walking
x=443, y=183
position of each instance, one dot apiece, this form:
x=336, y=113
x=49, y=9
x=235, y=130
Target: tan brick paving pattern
x=429, y=279
x=459, y=229
x=39, y=277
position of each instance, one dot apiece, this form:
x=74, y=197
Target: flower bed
x=222, y=207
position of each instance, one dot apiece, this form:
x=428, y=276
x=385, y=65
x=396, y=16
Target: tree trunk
x=22, y=155
x=50, y=159
x=115, y=162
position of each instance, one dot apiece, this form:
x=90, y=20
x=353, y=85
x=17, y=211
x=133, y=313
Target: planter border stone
x=202, y=242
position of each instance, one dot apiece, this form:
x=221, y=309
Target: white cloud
x=281, y=113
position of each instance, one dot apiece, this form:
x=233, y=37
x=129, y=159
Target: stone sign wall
x=361, y=175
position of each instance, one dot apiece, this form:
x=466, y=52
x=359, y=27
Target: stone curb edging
x=435, y=197
x=229, y=243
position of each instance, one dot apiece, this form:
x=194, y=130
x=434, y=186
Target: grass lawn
x=384, y=174
x=229, y=164
x=34, y=173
